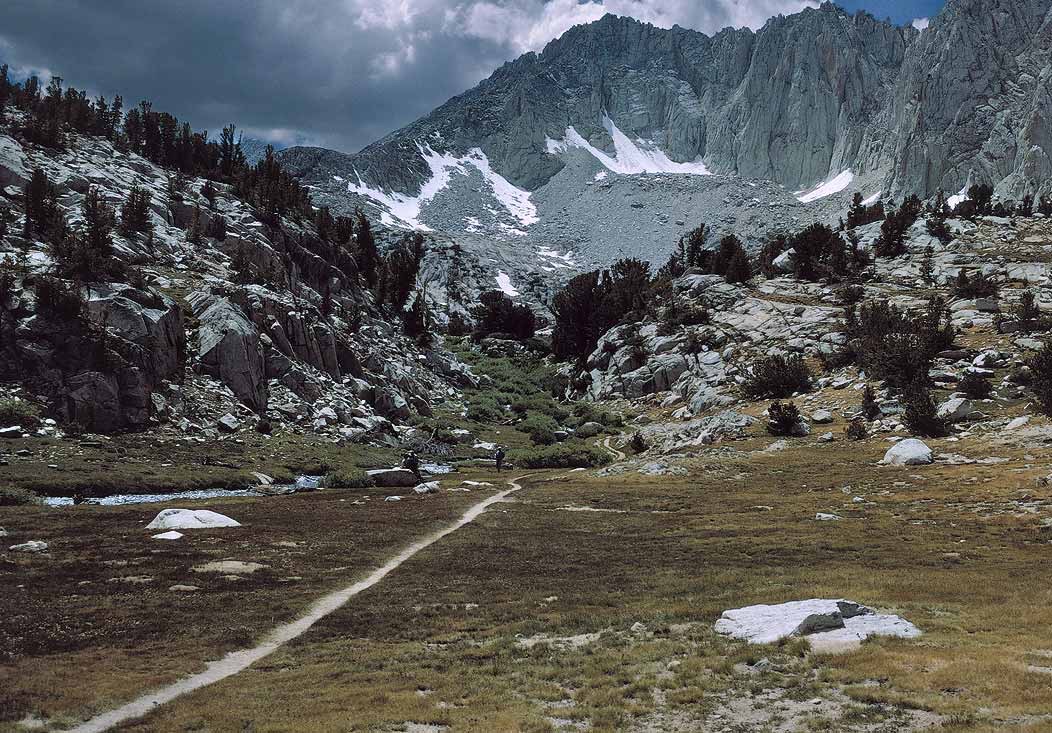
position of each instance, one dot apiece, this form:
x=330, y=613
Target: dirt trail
x=618, y=455
x=238, y=661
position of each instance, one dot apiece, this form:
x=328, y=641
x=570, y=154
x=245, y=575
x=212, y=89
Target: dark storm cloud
x=340, y=73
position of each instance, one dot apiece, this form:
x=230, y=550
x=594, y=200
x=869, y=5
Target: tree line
x=51, y=113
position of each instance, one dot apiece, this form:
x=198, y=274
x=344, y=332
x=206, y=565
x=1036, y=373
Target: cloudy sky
x=337, y=73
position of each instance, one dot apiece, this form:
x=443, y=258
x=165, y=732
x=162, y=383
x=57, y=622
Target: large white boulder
x=763, y=624
x=859, y=628
x=191, y=519
x=828, y=624
x=430, y=487
x=909, y=452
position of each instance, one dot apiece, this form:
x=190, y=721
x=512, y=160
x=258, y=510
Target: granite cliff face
x=972, y=101
x=787, y=103
x=823, y=103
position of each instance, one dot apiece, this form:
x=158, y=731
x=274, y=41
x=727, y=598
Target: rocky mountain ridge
x=821, y=103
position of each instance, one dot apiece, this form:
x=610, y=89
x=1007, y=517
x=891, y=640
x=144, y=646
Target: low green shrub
x=783, y=417
x=777, y=376
x=18, y=412
x=975, y=386
x=590, y=412
x=485, y=409
x=17, y=496
x=347, y=480
x=856, y=429
x=562, y=456
x=1041, y=377
x=540, y=428
x=921, y=414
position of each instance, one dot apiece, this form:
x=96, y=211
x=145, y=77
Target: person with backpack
x=498, y=457
x=412, y=463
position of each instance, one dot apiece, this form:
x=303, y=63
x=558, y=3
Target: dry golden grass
x=942, y=545
x=957, y=549
x=76, y=640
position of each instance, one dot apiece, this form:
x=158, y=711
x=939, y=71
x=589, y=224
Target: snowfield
x=404, y=210
x=830, y=187
x=957, y=198
x=630, y=157
x=504, y=283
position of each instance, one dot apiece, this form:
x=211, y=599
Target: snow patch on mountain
x=828, y=188
x=404, y=210
x=631, y=157
x=872, y=199
x=504, y=283
x=958, y=197
x=555, y=260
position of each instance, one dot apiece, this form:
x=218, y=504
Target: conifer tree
x=367, y=255
x=135, y=212
x=738, y=269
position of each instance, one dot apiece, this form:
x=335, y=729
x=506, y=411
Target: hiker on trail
x=78, y=499
x=412, y=463
x=499, y=457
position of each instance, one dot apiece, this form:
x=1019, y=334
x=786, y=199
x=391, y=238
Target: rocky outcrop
x=826, y=623
x=100, y=368
x=276, y=317
x=228, y=348
x=971, y=102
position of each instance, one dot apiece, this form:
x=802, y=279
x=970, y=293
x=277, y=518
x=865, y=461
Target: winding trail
x=618, y=455
x=238, y=661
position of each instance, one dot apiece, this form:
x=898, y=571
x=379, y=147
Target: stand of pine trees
x=50, y=114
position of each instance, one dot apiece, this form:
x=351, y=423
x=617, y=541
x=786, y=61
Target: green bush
x=540, y=403
x=976, y=286
x=18, y=412
x=1041, y=377
x=352, y=479
x=485, y=409
x=589, y=412
x=975, y=386
x=540, y=428
x=870, y=408
x=921, y=413
x=777, y=376
x=782, y=418
x=562, y=456
x=896, y=346
x=856, y=429
x=17, y=496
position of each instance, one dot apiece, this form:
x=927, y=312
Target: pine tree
x=217, y=227
x=324, y=223
x=928, y=266
x=5, y=89
x=416, y=319
x=6, y=217
x=135, y=212
x=209, y=192
x=738, y=269
x=195, y=233
x=366, y=253
x=231, y=159
x=43, y=217
x=88, y=255
x=870, y=408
